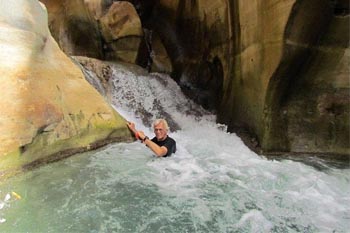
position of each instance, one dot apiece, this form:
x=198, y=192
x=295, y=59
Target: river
x=213, y=183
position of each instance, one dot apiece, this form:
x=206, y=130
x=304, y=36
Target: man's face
x=160, y=131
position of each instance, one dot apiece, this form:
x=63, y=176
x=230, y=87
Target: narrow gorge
x=275, y=72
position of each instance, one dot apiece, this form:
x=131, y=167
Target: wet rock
x=47, y=107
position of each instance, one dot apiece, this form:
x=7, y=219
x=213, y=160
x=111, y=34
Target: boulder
x=121, y=20
x=95, y=28
x=122, y=31
x=48, y=109
x=74, y=27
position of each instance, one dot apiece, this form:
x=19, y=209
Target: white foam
x=7, y=197
x=255, y=221
x=213, y=183
x=206, y=153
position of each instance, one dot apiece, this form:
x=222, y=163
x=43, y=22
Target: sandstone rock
x=48, y=109
x=152, y=54
x=264, y=53
x=96, y=28
x=121, y=29
x=258, y=64
x=102, y=73
x=161, y=60
x=95, y=7
x=74, y=28
x=311, y=75
x=120, y=21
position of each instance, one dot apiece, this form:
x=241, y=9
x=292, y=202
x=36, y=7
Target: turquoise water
x=213, y=183
x=123, y=188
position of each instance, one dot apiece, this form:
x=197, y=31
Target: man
x=162, y=145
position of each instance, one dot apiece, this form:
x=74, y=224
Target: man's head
x=161, y=128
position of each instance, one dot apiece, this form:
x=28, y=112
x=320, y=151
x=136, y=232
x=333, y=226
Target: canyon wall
x=275, y=71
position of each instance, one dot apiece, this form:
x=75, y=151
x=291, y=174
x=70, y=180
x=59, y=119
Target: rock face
x=108, y=30
x=48, y=109
x=276, y=70
x=74, y=28
x=307, y=100
x=121, y=29
x=100, y=29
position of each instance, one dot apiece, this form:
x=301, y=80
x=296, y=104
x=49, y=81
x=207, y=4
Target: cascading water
x=213, y=183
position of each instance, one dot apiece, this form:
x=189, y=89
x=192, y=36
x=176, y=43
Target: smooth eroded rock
x=48, y=109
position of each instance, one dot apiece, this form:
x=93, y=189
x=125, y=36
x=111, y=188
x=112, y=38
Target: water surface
x=213, y=183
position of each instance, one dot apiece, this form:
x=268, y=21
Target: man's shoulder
x=171, y=145
x=166, y=141
x=171, y=139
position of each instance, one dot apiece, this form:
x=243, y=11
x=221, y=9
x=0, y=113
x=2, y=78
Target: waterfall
x=154, y=96
x=213, y=183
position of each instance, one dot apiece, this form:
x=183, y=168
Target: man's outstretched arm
x=159, y=151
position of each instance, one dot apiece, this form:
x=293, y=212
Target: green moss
x=46, y=147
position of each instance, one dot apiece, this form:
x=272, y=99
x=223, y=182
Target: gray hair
x=163, y=121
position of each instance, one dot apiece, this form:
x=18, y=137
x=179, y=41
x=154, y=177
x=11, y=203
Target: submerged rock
x=48, y=109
